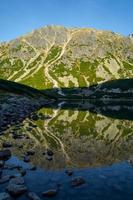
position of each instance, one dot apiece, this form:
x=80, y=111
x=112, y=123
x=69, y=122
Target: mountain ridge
x=59, y=57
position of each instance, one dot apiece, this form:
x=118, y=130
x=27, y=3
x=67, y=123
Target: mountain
x=59, y=57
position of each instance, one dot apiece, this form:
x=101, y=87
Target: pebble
x=77, y=181
x=50, y=193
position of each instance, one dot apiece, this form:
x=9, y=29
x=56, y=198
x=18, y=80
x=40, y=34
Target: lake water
x=94, y=139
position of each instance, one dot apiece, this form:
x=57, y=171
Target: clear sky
x=18, y=17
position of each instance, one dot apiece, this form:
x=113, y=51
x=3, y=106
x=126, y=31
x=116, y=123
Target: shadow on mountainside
x=119, y=88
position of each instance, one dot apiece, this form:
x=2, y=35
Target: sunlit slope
x=56, y=56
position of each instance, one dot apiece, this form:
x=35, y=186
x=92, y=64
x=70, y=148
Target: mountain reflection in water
x=81, y=134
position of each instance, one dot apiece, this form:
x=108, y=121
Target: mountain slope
x=20, y=89
x=55, y=56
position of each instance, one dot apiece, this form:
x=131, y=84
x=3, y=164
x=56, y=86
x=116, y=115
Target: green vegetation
x=76, y=60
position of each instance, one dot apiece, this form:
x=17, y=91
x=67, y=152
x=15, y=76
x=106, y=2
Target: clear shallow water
x=110, y=182
x=94, y=140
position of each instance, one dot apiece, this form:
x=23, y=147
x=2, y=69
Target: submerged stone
x=50, y=193
x=77, y=181
x=16, y=190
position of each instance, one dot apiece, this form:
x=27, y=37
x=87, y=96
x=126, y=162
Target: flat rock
x=16, y=190
x=33, y=196
x=4, y=196
x=77, y=181
x=50, y=193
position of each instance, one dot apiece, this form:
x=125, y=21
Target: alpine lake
x=80, y=150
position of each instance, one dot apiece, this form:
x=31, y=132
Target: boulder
x=16, y=190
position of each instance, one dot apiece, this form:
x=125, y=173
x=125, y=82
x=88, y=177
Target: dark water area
x=92, y=140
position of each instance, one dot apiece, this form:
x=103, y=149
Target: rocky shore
x=14, y=183
x=15, y=108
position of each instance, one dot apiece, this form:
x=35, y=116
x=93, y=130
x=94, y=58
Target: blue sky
x=18, y=17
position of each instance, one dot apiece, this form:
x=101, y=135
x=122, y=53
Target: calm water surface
x=92, y=139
